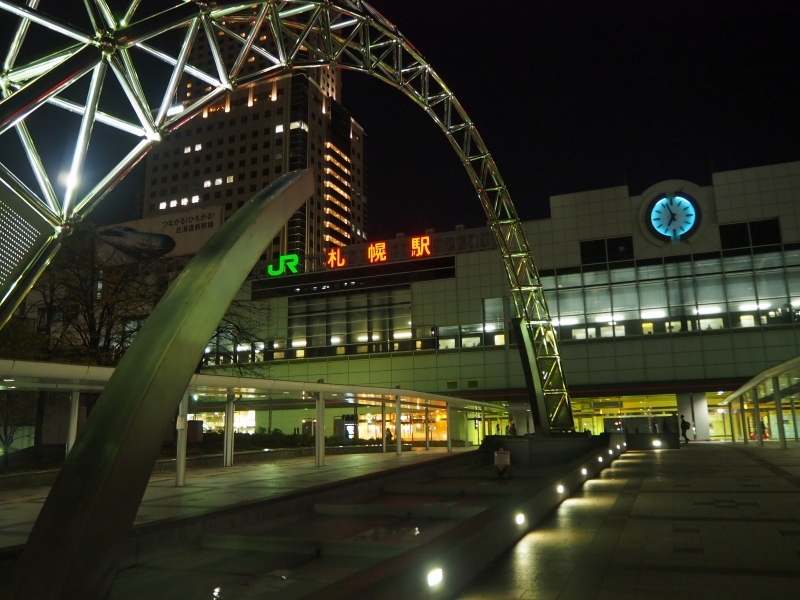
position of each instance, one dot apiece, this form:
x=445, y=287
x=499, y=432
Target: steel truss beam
x=305, y=34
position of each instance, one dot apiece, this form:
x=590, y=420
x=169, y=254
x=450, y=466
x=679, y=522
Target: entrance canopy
x=57, y=377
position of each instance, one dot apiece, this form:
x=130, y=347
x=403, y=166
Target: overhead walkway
x=764, y=407
x=27, y=375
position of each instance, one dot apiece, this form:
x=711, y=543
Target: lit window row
x=342, y=193
x=183, y=202
x=299, y=125
x=337, y=202
x=188, y=149
x=330, y=211
x=336, y=176
x=333, y=240
x=217, y=181
x=338, y=229
x=339, y=152
x=330, y=158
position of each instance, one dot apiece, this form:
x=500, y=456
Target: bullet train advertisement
x=176, y=234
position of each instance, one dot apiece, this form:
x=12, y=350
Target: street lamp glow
x=584, y=471
x=599, y=459
x=657, y=443
x=435, y=577
x=617, y=446
x=610, y=451
x=520, y=518
x=560, y=489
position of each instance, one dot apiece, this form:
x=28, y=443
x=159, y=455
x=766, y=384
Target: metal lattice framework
x=289, y=35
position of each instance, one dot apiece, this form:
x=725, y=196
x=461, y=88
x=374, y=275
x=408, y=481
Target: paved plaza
x=210, y=489
x=712, y=520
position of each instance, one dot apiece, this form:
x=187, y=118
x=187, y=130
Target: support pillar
x=180, y=443
x=483, y=425
x=427, y=429
x=74, y=410
x=227, y=453
x=355, y=417
x=319, y=441
x=743, y=419
x=794, y=420
x=757, y=419
x=449, y=429
x=730, y=418
x=776, y=391
x=398, y=428
x=383, y=426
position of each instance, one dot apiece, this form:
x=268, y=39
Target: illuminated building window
x=207, y=183
x=218, y=182
x=278, y=128
x=195, y=199
x=162, y=205
x=184, y=201
x=229, y=179
x=329, y=211
x=330, y=198
x=341, y=192
x=420, y=246
x=187, y=149
x=330, y=158
x=297, y=125
x=173, y=203
x=330, y=225
x=337, y=151
x=198, y=147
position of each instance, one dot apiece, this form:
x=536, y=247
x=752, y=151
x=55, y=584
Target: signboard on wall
x=176, y=234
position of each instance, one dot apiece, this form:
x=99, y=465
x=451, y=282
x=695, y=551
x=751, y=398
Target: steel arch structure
x=287, y=35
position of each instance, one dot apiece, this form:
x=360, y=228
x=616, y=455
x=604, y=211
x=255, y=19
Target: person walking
x=684, y=428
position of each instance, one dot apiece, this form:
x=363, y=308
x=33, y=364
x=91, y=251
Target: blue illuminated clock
x=673, y=216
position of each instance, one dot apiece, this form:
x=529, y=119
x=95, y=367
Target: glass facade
x=729, y=290
x=374, y=321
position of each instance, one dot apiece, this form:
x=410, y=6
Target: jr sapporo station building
x=664, y=302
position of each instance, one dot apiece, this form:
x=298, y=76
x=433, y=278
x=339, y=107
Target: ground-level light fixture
x=584, y=471
x=520, y=518
x=617, y=446
x=560, y=489
x=599, y=459
x=435, y=577
x=610, y=451
x=657, y=443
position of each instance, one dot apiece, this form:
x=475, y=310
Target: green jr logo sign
x=287, y=261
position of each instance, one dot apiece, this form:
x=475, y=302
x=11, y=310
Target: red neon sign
x=420, y=246
x=376, y=252
x=335, y=258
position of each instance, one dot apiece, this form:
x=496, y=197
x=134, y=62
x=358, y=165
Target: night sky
x=568, y=96
x=577, y=95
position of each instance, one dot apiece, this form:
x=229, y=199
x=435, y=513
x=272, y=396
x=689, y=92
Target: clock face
x=674, y=216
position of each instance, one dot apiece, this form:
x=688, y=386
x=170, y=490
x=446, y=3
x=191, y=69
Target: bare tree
x=17, y=410
x=93, y=299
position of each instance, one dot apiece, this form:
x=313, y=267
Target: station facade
x=664, y=302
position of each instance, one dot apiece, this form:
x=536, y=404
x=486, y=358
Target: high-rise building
x=250, y=138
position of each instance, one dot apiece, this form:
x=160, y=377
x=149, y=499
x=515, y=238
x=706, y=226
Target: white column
x=483, y=425
x=180, y=450
x=776, y=390
x=398, y=428
x=74, y=410
x=757, y=418
x=794, y=420
x=320, y=437
x=227, y=456
x=730, y=418
x=427, y=429
x=383, y=426
x=743, y=419
x=449, y=429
